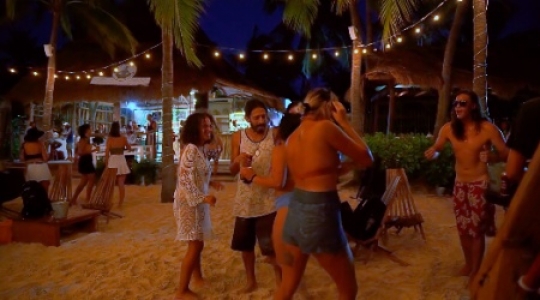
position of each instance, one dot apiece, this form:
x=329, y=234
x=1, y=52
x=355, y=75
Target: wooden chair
x=373, y=243
x=61, y=187
x=101, y=198
x=402, y=213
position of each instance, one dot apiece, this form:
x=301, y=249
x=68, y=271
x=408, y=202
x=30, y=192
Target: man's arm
x=432, y=152
x=234, y=166
x=514, y=166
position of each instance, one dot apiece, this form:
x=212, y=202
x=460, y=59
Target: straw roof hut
x=422, y=68
x=83, y=56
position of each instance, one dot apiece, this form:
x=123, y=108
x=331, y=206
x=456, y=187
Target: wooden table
x=47, y=230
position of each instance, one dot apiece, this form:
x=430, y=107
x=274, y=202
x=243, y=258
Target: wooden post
x=391, y=106
x=116, y=112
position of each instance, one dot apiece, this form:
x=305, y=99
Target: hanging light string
x=397, y=37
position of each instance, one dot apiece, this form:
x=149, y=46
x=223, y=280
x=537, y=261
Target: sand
x=136, y=257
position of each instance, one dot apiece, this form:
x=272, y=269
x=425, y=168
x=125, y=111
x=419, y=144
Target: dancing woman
x=313, y=223
x=85, y=164
x=192, y=200
x=34, y=154
x=114, y=158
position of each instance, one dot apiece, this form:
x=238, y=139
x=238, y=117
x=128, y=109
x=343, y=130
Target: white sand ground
x=136, y=257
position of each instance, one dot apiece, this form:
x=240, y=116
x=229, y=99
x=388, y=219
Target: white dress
x=191, y=214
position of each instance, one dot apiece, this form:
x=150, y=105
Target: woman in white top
x=114, y=158
x=192, y=199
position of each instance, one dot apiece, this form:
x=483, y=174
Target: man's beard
x=259, y=128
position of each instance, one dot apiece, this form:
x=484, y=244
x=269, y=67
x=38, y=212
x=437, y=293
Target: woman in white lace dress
x=192, y=200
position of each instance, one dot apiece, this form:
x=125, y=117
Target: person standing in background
x=151, y=130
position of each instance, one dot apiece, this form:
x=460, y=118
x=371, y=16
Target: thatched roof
x=408, y=67
x=81, y=56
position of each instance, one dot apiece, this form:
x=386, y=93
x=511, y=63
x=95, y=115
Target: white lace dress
x=191, y=214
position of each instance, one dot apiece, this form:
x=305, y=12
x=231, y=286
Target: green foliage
x=182, y=17
x=407, y=152
x=440, y=171
x=147, y=169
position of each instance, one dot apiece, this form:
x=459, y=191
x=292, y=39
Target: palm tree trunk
x=449, y=52
x=51, y=69
x=358, y=105
x=168, y=181
x=480, y=53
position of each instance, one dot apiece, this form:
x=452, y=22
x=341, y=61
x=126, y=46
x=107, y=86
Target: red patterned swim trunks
x=473, y=214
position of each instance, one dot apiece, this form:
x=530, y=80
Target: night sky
x=229, y=23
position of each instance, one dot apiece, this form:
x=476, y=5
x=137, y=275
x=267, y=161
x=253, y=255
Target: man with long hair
x=470, y=135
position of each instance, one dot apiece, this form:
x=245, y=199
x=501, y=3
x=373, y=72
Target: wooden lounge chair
x=373, y=243
x=61, y=187
x=101, y=198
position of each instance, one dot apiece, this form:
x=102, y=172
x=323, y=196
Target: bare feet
x=250, y=287
x=465, y=271
x=186, y=295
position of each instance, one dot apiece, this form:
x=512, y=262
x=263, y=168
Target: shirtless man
x=253, y=205
x=470, y=134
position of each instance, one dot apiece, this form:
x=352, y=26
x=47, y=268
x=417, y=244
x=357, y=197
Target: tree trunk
x=358, y=105
x=449, y=52
x=168, y=178
x=51, y=69
x=480, y=53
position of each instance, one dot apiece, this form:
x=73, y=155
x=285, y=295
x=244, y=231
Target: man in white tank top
x=254, y=206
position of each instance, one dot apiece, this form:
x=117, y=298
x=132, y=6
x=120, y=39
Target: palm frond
x=66, y=25
x=16, y=8
x=187, y=13
x=299, y=15
x=102, y=27
x=396, y=14
x=182, y=16
x=341, y=6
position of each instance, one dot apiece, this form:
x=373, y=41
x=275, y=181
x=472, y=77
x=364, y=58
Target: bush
x=147, y=169
x=407, y=151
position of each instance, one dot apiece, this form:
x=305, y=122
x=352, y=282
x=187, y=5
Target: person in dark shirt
x=523, y=142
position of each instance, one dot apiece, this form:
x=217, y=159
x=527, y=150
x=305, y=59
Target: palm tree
x=178, y=20
x=480, y=52
x=99, y=24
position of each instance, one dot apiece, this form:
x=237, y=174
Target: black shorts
x=248, y=230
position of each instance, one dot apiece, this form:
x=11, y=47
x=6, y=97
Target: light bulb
x=336, y=54
x=100, y=73
x=355, y=51
x=388, y=46
x=241, y=56
x=13, y=70
x=116, y=69
x=55, y=76
x=35, y=73
x=67, y=77
x=147, y=55
x=131, y=63
x=78, y=77
x=88, y=76
x=364, y=50
x=216, y=54
x=399, y=39
x=314, y=56
x=265, y=56
x=417, y=30
x=290, y=57
x=436, y=18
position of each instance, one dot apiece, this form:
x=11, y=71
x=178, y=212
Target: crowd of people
x=287, y=200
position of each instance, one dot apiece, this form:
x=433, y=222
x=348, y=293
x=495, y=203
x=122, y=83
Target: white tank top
x=253, y=200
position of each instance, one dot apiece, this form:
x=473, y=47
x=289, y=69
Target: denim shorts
x=313, y=222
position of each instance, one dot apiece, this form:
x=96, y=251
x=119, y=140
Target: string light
x=67, y=77
x=55, y=76
x=387, y=42
x=77, y=77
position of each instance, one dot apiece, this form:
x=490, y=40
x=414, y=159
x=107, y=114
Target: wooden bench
x=47, y=230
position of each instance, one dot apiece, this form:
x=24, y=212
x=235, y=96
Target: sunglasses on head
x=458, y=103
